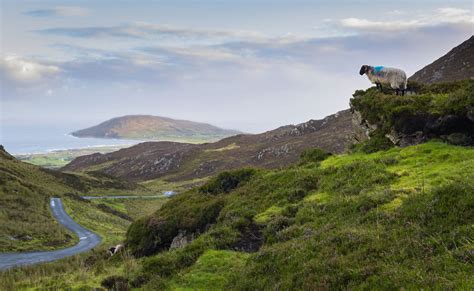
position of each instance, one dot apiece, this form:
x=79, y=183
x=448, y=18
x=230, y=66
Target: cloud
x=290, y=76
x=25, y=71
x=383, y=26
x=147, y=30
x=63, y=11
x=440, y=16
x=22, y=77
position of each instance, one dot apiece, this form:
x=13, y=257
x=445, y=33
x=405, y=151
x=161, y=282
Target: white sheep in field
x=396, y=78
x=116, y=249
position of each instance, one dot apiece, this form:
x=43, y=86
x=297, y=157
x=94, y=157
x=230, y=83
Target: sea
x=19, y=140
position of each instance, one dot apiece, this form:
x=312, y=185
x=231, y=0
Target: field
x=60, y=158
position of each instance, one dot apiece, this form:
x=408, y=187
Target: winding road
x=87, y=241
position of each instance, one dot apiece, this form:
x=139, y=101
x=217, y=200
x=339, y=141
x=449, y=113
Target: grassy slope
x=89, y=269
x=83, y=270
x=399, y=218
x=135, y=208
x=27, y=223
x=25, y=190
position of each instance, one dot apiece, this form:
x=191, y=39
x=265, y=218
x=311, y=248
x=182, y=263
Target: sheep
x=115, y=249
x=396, y=78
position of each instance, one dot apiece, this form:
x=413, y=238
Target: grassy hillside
x=81, y=271
x=390, y=219
x=27, y=222
x=25, y=190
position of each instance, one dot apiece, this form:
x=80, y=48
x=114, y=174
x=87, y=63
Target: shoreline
x=53, y=151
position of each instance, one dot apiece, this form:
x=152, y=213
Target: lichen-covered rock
x=181, y=240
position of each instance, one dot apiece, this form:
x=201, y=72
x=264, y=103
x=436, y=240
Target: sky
x=247, y=65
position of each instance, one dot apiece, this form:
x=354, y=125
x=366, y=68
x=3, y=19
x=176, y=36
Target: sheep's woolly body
x=396, y=78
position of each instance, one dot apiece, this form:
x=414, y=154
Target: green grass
x=135, y=207
x=111, y=227
x=60, y=158
x=88, y=270
x=210, y=272
x=81, y=271
x=160, y=185
x=27, y=223
x=400, y=218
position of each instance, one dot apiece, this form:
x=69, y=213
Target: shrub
x=313, y=156
x=227, y=181
x=191, y=212
x=117, y=283
x=377, y=142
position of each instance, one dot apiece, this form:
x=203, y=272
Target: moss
x=212, y=271
x=265, y=216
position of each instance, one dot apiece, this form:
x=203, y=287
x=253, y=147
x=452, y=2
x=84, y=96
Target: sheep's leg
x=397, y=91
x=403, y=92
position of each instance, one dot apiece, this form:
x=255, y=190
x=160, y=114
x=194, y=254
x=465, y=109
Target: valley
x=377, y=196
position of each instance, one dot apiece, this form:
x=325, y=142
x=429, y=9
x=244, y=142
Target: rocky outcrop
x=181, y=240
x=362, y=128
x=414, y=129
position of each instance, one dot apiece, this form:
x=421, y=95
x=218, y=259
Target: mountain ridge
x=182, y=161
x=456, y=65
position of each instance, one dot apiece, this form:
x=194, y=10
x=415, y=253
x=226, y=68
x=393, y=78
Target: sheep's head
x=363, y=69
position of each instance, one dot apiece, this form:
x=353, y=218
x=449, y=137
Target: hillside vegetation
x=379, y=217
x=25, y=190
x=444, y=111
x=396, y=218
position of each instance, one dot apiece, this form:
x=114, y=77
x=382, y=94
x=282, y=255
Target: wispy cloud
x=441, y=16
x=147, y=30
x=59, y=11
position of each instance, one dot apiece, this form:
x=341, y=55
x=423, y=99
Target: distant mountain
x=184, y=161
x=456, y=65
x=148, y=127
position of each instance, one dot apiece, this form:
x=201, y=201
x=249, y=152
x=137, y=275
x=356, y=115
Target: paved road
x=165, y=194
x=87, y=241
x=121, y=197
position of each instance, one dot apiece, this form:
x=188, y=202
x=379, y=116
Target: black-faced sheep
x=395, y=78
x=114, y=250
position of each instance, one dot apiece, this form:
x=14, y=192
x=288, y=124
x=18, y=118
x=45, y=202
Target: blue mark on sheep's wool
x=378, y=69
